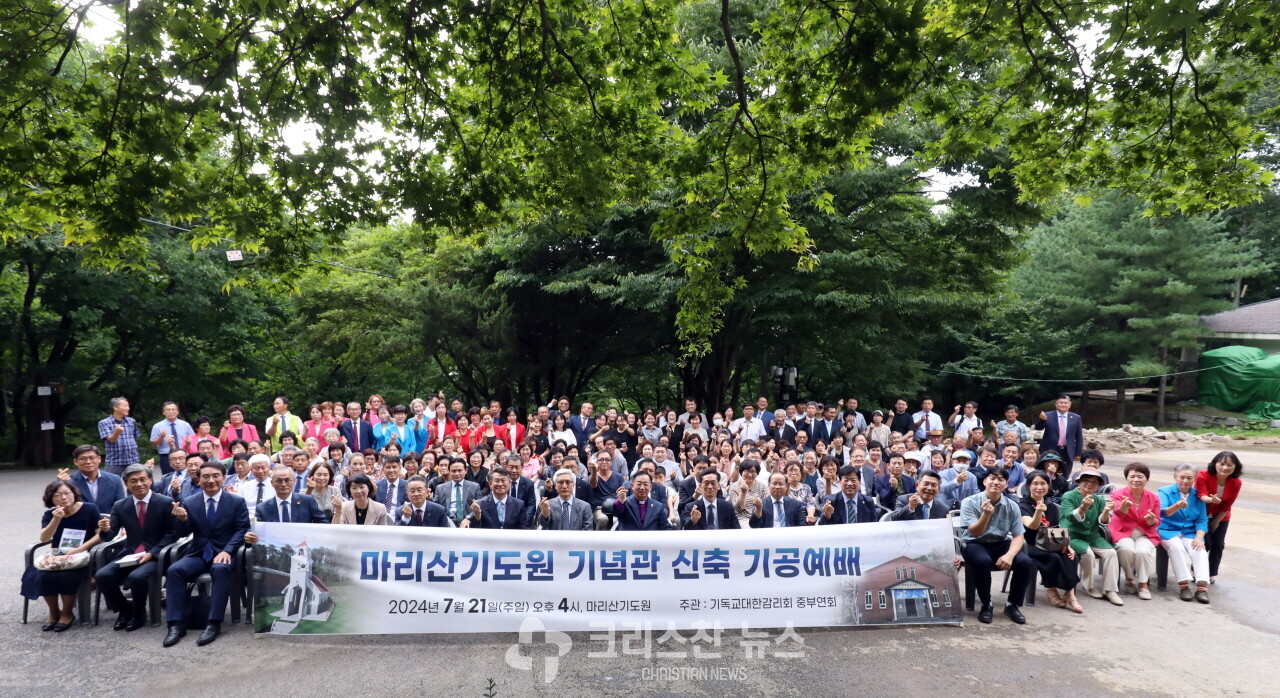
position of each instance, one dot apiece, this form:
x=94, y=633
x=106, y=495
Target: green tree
x=1135, y=286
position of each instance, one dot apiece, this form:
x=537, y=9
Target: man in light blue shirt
x=167, y=435
x=993, y=537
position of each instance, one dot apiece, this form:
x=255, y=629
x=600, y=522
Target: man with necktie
x=355, y=431
x=95, y=484
x=287, y=506
x=149, y=525
x=391, y=488
x=849, y=505
x=217, y=522
x=641, y=512
x=565, y=512
x=168, y=433
x=457, y=493
x=709, y=512
x=923, y=503
x=420, y=510
x=778, y=510
x=1063, y=432
x=926, y=420
x=498, y=509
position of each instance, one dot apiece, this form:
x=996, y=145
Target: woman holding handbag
x=1048, y=545
x=72, y=526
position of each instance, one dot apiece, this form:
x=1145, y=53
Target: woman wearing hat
x=1051, y=465
x=878, y=431
x=1086, y=516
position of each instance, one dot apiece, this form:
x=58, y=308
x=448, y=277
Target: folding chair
x=82, y=591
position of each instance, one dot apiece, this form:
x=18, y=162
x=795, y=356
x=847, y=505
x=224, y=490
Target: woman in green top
x=1085, y=516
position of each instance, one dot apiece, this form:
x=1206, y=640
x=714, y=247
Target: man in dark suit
x=457, y=493
x=357, y=432
x=1063, y=432
x=149, y=525
x=522, y=488
x=183, y=481
x=778, y=510
x=779, y=430
x=420, y=510
x=217, y=521
x=825, y=426
x=288, y=506
x=849, y=505
x=391, y=488
x=96, y=485
x=583, y=424
x=923, y=503
x=641, y=512
x=710, y=512
x=498, y=509
x=690, y=487
x=893, y=483
x=565, y=511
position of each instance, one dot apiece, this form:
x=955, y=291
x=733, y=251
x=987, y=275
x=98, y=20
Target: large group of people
x=1024, y=506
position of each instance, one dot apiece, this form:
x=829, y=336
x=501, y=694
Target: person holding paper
x=69, y=522
x=149, y=525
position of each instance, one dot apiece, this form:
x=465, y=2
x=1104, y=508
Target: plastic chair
x=82, y=592
x=1162, y=568
x=970, y=589
x=886, y=516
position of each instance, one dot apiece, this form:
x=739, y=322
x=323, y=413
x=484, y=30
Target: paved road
x=1137, y=649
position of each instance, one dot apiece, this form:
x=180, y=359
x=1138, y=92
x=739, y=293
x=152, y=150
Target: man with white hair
x=256, y=488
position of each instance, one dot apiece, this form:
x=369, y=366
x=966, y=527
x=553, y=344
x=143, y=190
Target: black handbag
x=1054, y=540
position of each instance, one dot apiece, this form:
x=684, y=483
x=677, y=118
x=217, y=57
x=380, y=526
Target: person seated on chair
x=564, y=511
x=894, y=483
x=850, y=505
x=710, y=511
x=1086, y=516
x=70, y=515
x=640, y=512
x=779, y=510
x=923, y=503
x=498, y=509
x=1184, y=523
x=287, y=506
x=217, y=521
x=419, y=510
x=149, y=525
x=960, y=481
x=1059, y=570
x=1135, y=524
x=993, y=537
x=361, y=509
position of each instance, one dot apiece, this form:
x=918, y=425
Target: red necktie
x=142, y=521
x=355, y=435
x=417, y=517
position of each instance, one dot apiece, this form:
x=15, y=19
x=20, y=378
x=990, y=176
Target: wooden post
x=1164, y=382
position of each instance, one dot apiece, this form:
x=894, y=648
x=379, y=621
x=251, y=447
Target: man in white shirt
x=747, y=427
x=256, y=488
x=926, y=419
x=963, y=422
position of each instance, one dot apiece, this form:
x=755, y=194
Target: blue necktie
x=502, y=511
x=284, y=512
x=173, y=429
x=564, y=520
x=779, y=519
x=211, y=510
x=711, y=516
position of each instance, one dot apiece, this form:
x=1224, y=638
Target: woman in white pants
x=1135, y=529
x=1183, y=525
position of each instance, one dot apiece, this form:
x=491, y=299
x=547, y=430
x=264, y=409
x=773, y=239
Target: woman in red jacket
x=1218, y=486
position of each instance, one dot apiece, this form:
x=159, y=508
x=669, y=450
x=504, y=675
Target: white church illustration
x=305, y=596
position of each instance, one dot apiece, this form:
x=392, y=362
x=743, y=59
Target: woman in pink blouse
x=1134, y=523
x=316, y=426
x=203, y=432
x=235, y=428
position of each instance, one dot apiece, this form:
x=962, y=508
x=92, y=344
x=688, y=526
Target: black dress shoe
x=134, y=624
x=122, y=621
x=986, y=614
x=175, y=633
x=64, y=627
x=211, y=633
x=49, y=626
x=1015, y=614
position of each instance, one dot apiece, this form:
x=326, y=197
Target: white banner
x=326, y=579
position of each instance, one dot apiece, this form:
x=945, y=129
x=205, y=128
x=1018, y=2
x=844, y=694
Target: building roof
x=1262, y=318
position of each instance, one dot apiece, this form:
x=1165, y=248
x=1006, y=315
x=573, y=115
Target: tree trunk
x=1120, y=392
x=1164, y=381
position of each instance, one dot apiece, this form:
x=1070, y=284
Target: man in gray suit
x=564, y=512
x=457, y=493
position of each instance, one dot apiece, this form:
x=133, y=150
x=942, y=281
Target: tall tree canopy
x=475, y=114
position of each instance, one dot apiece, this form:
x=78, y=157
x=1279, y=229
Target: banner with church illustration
x=332, y=579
